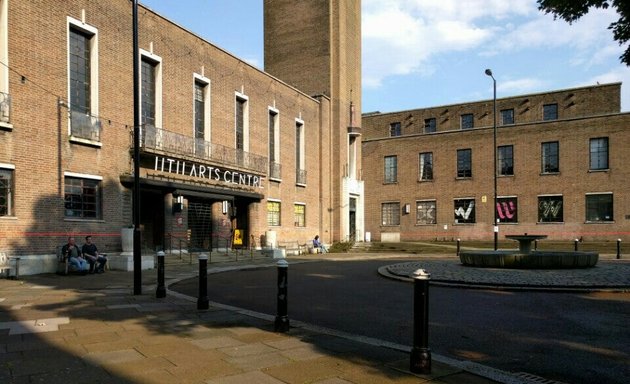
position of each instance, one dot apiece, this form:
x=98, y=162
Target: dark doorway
x=152, y=220
x=353, y=219
x=200, y=225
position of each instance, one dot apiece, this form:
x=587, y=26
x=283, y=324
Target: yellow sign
x=237, y=239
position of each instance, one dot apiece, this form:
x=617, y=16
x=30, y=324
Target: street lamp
x=494, y=143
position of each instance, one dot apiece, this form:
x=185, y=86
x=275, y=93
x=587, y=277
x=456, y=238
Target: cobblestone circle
x=606, y=275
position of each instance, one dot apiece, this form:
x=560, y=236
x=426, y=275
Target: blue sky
x=423, y=53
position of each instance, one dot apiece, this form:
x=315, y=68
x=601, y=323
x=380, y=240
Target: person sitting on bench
x=90, y=252
x=318, y=245
x=72, y=254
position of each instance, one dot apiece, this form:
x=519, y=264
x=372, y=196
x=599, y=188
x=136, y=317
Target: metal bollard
x=458, y=241
x=535, y=245
x=160, y=292
x=575, y=245
x=202, y=300
x=282, y=319
x=619, y=248
x=420, y=353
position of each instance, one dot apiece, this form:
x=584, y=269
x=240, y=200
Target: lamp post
x=137, y=255
x=495, y=225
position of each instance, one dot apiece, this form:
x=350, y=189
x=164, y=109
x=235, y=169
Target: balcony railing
x=275, y=171
x=153, y=138
x=85, y=126
x=300, y=176
x=5, y=107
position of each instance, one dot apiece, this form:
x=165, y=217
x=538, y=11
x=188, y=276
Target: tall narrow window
x=391, y=169
x=550, y=112
x=240, y=124
x=430, y=125
x=395, y=129
x=299, y=213
x=599, y=207
x=300, y=161
x=148, y=91
x=200, y=118
x=390, y=213
x=6, y=190
x=599, y=153
x=83, y=81
x=5, y=98
x=426, y=166
x=274, y=144
x=506, y=160
x=201, y=106
x=507, y=116
x=550, y=156
x=467, y=121
x=464, y=163
x=273, y=213
x=82, y=196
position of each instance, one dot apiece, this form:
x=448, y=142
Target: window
x=300, y=162
x=550, y=209
x=506, y=160
x=599, y=207
x=426, y=212
x=273, y=213
x=391, y=169
x=550, y=156
x=599, y=153
x=82, y=196
x=83, y=81
x=148, y=69
x=201, y=105
x=464, y=211
x=507, y=116
x=467, y=121
x=430, y=125
x=550, y=112
x=299, y=213
x=200, y=132
x=274, y=144
x=390, y=213
x=395, y=130
x=464, y=163
x=426, y=166
x=507, y=209
x=240, y=123
x=6, y=190
x=5, y=99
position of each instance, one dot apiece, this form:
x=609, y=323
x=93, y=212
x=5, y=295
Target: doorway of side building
x=152, y=220
x=199, y=225
x=353, y=219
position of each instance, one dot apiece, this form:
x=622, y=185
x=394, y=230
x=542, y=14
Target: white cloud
x=518, y=86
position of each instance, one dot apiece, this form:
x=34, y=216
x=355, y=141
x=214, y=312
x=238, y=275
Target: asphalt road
x=568, y=337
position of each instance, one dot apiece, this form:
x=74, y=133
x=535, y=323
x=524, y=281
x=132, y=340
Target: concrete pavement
x=92, y=329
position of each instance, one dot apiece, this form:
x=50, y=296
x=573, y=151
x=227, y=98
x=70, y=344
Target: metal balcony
x=300, y=176
x=275, y=171
x=85, y=126
x=157, y=139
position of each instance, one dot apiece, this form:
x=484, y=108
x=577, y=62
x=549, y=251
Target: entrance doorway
x=200, y=225
x=353, y=219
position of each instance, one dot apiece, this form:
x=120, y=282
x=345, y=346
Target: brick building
x=223, y=145
x=561, y=170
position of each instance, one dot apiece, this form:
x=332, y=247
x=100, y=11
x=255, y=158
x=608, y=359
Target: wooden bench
x=293, y=247
x=6, y=268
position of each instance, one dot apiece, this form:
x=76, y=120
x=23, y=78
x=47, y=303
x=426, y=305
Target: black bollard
x=575, y=245
x=535, y=245
x=160, y=292
x=202, y=300
x=420, y=353
x=282, y=319
x=619, y=248
x=458, y=240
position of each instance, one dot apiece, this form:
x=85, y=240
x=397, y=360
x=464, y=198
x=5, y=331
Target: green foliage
x=572, y=10
x=342, y=247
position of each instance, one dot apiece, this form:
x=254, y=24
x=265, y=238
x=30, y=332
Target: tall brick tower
x=315, y=45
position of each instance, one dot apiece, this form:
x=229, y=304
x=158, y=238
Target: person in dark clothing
x=90, y=252
x=73, y=254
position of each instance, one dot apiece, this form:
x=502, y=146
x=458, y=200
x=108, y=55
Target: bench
x=6, y=268
x=293, y=247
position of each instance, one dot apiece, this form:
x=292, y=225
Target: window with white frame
x=7, y=185
x=83, y=81
x=242, y=122
x=275, y=171
x=391, y=169
x=82, y=196
x=426, y=212
x=299, y=215
x=390, y=213
x=5, y=96
x=151, y=99
x=273, y=213
x=599, y=207
x=300, y=159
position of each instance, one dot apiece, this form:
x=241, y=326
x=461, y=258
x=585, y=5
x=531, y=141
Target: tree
x=572, y=10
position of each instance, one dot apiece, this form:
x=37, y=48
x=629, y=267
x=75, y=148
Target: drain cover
x=536, y=379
